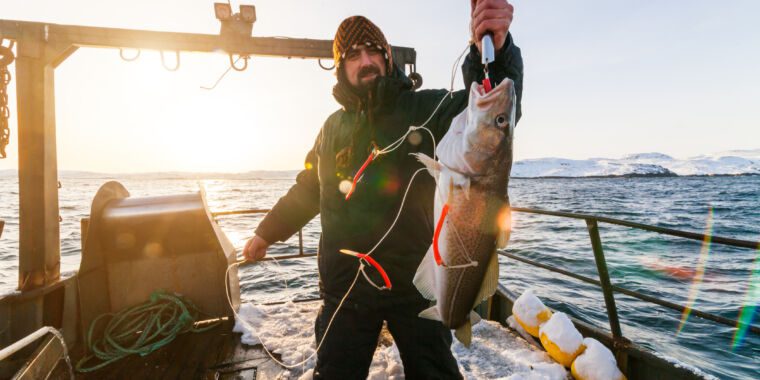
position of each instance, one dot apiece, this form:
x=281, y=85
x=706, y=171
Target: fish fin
x=459, y=180
x=464, y=333
x=466, y=187
x=424, y=278
x=430, y=313
x=474, y=318
x=490, y=280
x=433, y=167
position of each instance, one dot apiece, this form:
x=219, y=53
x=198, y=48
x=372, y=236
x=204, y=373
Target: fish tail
x=464, y=333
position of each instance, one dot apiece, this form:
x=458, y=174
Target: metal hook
x=319, y=61
x=121, y=54
x=245, y=59
x=414, y=76
x=163, y=61
x=224, y=74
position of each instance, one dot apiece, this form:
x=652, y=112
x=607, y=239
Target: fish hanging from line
x=461, y=267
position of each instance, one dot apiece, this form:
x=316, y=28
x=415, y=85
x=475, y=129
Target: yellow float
x=530, y=312
x=596, y=363
x=561, y=339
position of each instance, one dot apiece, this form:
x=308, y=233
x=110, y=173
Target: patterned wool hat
x=357, y=30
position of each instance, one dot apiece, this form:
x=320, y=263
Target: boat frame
x=44, y=299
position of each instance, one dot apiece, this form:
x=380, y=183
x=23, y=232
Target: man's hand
x=491, y=16
x=255, y=248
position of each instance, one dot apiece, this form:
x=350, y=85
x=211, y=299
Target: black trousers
x=424, y=345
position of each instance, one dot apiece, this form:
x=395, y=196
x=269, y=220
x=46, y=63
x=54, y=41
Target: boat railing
x=604, y=281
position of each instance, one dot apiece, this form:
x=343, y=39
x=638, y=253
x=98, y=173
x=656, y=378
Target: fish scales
x=472, y=173
x=472, y=228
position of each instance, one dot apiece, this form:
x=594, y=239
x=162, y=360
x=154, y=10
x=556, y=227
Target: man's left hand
x=491, y=16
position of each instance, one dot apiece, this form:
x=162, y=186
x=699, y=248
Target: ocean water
x=635, y=258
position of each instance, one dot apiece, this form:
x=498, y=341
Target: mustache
x=368, y=70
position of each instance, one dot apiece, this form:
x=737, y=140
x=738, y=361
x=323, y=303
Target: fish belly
x=469, y=235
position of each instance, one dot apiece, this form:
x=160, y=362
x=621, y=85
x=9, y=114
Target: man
x=378, y=106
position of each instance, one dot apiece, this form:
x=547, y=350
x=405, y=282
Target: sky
x=603, y=78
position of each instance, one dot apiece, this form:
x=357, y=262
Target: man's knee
x=424, y=345
x=349, y=343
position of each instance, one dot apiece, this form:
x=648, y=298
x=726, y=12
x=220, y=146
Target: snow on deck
x=495, y=353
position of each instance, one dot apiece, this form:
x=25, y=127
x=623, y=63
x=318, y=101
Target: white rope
x=390, y=148
x=253, y=331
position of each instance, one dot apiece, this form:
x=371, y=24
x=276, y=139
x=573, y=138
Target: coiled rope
x=141, y=329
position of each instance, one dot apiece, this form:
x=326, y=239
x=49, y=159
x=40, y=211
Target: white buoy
x=561, y=339
x=596, y=363
x=530, y=312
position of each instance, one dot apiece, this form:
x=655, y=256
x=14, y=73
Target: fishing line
x=252, y=330
x=276, y=261
x=390, y=148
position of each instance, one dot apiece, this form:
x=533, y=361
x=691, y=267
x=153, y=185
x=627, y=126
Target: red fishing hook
x=437, y=234
x=359, y=173
x=371, y=261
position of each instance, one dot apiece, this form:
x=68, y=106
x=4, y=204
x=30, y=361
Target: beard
x=366, y=82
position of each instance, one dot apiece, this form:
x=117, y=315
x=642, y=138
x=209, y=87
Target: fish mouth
x=485, y=100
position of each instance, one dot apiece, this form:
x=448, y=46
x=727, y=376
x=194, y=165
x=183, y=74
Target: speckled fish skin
x=482, y=156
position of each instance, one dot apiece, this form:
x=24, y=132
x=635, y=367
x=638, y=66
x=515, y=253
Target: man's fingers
x=503, y=14
x=248, y=253
x=495, y=26
x=484, y=5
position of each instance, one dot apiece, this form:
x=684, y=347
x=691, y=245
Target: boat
x=134, y=246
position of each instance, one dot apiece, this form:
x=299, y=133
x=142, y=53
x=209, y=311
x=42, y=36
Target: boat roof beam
x=41, y=47
x=98, y=37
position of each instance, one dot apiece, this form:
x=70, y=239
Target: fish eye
x=501, y=121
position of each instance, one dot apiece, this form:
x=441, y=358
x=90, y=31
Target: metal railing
x=592, y=223
x=218, y=214
x=608, y=289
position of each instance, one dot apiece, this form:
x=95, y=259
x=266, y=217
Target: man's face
x=363, y=66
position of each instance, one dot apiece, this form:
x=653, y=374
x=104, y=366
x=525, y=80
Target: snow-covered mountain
x=736, y=162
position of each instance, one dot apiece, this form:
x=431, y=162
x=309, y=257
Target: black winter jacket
x=359, y=223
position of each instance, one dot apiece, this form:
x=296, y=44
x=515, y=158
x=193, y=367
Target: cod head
x=489, y=127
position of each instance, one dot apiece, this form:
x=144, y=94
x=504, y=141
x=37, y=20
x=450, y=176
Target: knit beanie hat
x=357, y=30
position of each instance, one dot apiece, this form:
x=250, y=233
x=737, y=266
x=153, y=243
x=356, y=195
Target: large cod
x=461, y=269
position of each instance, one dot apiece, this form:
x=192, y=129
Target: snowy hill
x=735, y=162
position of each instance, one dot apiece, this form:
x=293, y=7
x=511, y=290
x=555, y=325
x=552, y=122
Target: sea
x=653, y=264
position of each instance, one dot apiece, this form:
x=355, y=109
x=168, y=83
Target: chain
x=6, y=58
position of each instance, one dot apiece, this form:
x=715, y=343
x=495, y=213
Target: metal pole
x=604, y=278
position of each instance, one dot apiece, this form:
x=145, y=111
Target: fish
x=472, y=216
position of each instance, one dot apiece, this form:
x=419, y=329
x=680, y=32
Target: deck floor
x=213, y=354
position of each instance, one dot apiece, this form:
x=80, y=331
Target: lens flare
x=747, y=311
x=700, y=273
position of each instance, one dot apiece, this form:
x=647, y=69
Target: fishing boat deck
x=213, y=354
x=220, y=352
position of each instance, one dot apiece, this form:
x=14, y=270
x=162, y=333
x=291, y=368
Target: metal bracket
x=319, y=61
x=121, y=54
x=163, y=61
x=245, y=59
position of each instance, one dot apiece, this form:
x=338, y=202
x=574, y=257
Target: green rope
x=141, y=329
